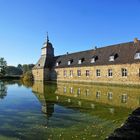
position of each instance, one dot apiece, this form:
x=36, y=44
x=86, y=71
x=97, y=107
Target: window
x=65, y=89
x=65, y=73
x=124, y=98
x=94, y=58
x=87, y=92
x=80, y=61
x=137, y=55
x=39, y=65
x=71, y=73
x=110, y=74
x=110, y=95
x=98, y=94
x=111, y=58
x=71, y=90
x=98, y=73
x=78, y=91
x=58, y=63
x=124, y=72
x=87, y=73
x=69, y=62
x=78, y=73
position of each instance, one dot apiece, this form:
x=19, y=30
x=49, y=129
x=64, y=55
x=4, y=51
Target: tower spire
x=47, y=37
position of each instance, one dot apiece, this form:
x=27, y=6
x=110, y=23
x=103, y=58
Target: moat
x=59, y=111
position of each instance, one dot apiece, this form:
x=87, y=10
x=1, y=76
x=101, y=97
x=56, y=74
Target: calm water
x=63, y=111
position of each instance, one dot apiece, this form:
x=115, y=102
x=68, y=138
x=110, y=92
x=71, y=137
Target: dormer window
x=113, y=56
x=80, y=61
x=137, y=55
x=58, y=63
x=70, y=62
x=94, y=58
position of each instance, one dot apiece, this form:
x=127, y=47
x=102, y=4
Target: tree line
x=14, y=70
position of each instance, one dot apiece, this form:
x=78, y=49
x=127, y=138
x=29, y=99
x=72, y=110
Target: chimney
x=136, y=40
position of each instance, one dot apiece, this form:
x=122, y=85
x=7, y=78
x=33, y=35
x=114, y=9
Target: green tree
x=26, y=67
x=12, y=70
x=3, y=65
x=19, y=66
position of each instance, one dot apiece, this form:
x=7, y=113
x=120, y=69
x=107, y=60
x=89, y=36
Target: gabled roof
x=125, y=52
x=125, y=55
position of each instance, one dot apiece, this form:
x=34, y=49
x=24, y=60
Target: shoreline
x=130, y=130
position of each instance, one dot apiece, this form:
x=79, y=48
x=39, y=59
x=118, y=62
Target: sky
x=72, y=25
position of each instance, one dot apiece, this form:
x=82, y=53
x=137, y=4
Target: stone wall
x=41, y=74
x=133, y=74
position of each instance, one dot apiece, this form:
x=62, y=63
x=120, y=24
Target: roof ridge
x=115, y=45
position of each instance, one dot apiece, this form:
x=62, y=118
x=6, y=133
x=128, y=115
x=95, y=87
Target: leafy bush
x=28, y=76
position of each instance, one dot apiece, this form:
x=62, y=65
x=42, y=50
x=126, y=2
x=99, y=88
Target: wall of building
x=133, y=74
x=41, y=74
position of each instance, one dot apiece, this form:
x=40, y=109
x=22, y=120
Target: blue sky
x=73, y=25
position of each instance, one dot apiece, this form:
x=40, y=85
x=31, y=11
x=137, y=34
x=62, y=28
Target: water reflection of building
x=3, y=90
x=95, y=100
x=116, y=96
x=39, y=90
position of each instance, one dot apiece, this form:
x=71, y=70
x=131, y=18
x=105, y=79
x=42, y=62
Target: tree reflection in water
x=3, y=90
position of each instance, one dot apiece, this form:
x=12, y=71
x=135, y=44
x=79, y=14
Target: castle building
x=119, y=64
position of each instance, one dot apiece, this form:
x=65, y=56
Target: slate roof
x=45, y=62
x=125, y=53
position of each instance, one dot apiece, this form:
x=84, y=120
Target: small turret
x=47, y=48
